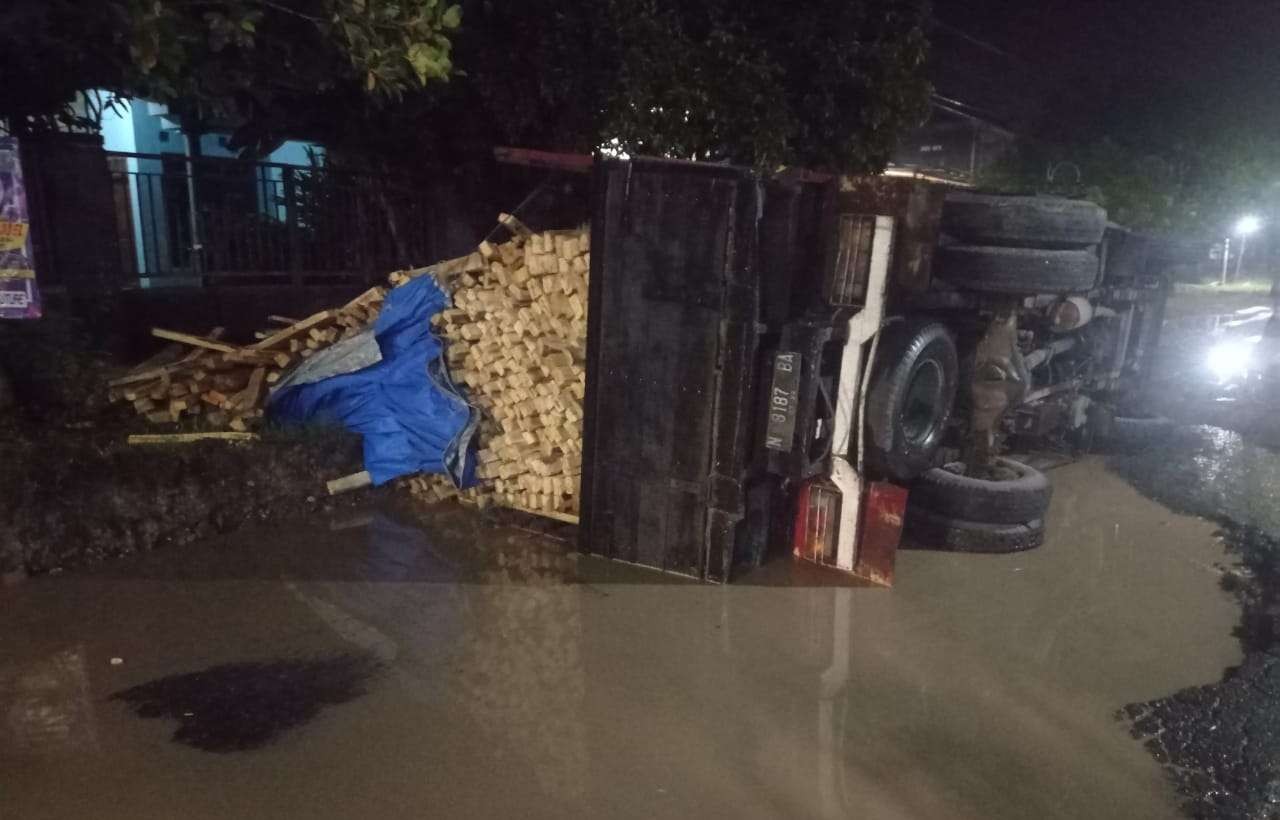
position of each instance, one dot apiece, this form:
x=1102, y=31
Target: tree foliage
x=820, y=83
x=1199, y=187
x=1161, y=159
x=817, y=83
x=225, y=61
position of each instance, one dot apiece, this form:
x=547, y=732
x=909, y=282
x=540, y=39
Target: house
x=158, y=180
x=983, y=98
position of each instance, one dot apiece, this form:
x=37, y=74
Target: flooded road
x=492, y=673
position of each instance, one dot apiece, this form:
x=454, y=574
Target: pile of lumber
x=516, y=339
x=223, y=385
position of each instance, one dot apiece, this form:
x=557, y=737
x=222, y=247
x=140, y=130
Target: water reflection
x=519, y=679
x=45, y=707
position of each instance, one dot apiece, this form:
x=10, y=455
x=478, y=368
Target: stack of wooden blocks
x=516, y=338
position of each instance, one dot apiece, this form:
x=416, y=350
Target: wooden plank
x=248, y=398
x=193, y=341
x=282, y=320
x=579, y=163
x=276, y=358
x=187, y=438
x=349, y=482
x=373, y=294
x=171, y=356
x=215, y=398
x=513, y=224
x=566, y=518
x=154, y=373
x=293, y=330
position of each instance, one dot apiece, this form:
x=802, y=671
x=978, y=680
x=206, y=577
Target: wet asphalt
x=387, y=663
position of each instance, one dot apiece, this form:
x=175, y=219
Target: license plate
x=780, y=432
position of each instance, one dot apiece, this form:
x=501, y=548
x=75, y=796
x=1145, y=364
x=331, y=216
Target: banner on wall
x=19, y=297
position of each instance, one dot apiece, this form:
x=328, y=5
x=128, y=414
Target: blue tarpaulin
x=411, y=416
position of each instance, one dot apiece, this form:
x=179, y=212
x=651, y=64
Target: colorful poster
x=19, y=298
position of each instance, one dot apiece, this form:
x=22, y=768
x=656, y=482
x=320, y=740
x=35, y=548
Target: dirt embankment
x=72, y=490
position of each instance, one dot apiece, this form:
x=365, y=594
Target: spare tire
x=912, y=390
x=1020, y=493
x=1019, y=271
x=1023, y=221
x=925, y=530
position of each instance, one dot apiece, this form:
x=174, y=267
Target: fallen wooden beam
x=193, y=341
x=187, y=438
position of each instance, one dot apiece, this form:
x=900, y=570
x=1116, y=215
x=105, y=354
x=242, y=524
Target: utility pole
x=1247, y=225
x=1226, y=255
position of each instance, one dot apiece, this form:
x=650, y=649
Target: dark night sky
x=1200, y=59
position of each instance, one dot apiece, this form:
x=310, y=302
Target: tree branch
x=286, y=10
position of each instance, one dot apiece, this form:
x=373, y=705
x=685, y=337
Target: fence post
x=194, y=154
x=291, y=220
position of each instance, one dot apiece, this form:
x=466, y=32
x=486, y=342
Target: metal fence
x=218, y=221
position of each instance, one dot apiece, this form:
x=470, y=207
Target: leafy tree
x=818, y=83
x=1193, y=186
x=220, y=61
x=1186, y=159
x=821, y=83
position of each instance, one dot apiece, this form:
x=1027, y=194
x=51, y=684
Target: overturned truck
x=805, y=362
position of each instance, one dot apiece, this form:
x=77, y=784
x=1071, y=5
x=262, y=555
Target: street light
x=1246, y=225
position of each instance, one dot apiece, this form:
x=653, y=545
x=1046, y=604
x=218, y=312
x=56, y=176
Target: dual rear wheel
x=912, y=394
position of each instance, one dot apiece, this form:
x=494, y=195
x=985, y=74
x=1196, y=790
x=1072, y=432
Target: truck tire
x=1023, y=221
x=1018, y=271
x=1020, y=494
x=912, y=391
x=926, y=530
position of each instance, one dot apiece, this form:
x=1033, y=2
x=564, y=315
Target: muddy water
x=508, y=677
x=1222, y=741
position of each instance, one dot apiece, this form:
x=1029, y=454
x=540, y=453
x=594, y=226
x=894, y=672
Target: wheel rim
x=920, y=407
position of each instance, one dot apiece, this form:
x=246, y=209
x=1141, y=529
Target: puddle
x=236, y=707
